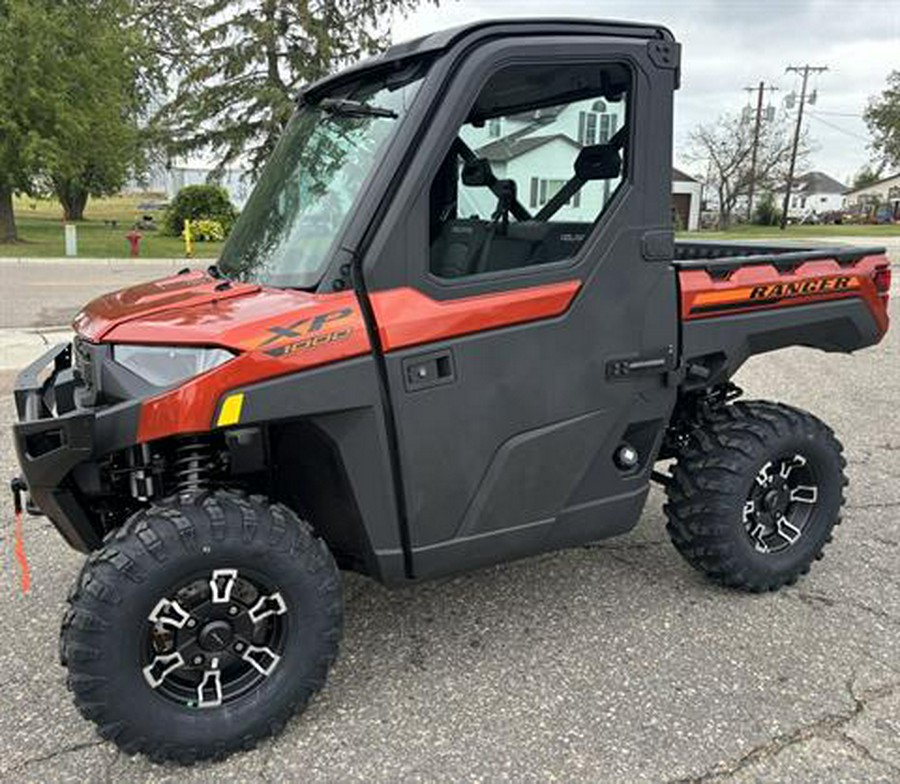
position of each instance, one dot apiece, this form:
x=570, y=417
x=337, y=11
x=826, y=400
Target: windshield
x=297, y=211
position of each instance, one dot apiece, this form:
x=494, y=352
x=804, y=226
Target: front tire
x=755, y=494
x=202, y=626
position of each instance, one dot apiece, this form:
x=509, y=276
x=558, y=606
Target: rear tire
x=755, y=494
x=202, y=626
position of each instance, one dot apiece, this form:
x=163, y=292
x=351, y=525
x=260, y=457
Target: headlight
x=163, y=366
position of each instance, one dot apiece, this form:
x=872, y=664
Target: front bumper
x=55, y=436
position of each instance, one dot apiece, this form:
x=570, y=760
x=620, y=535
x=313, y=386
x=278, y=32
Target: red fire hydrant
x=134, y=237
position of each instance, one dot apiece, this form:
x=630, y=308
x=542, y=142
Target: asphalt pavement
x=615, y=662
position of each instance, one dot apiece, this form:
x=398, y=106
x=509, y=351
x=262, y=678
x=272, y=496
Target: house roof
x=680, y=176
x=514, y=145
x=818, y=182
x=507, y=148
x=872, y=184
x=540, y=116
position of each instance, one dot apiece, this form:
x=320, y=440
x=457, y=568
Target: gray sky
x=730, y=44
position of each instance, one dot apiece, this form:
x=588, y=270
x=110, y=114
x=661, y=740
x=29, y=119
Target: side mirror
x=598, y=162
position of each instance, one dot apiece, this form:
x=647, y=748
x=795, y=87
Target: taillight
x=882, y=280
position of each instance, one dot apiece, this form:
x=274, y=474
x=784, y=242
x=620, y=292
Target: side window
x=533, y=167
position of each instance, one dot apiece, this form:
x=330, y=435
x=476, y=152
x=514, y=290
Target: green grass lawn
x=796, y=232
x=40, y=228
x=41, y=231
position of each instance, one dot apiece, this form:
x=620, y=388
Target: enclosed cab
x=451, y=327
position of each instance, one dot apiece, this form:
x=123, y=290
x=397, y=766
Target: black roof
x=815, y=182
x=680, y=176
x=444, y=39
x=506, y=149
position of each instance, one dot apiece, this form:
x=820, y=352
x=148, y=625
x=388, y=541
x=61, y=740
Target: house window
x=544, y=190
x=590, y=122
x=607, y=127
x=587, y=128
x=496, y=201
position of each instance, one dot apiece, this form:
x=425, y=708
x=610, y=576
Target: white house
x=885, y=193
x=813, y=193
x=687, y=198
x=536, y=150
x=172, y=178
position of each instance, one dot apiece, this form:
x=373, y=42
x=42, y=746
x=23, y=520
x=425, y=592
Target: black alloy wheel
x=755, y=494
x=215, y=638
x=201, y=626
x=780, y=503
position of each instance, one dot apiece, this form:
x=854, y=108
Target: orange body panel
x=104, y=314
x=277, y=332
x=406, y=317
x=763, y=287
x=291, y=331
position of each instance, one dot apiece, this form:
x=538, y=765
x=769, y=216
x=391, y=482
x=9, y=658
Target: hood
x=188, y=310
x=103, y=315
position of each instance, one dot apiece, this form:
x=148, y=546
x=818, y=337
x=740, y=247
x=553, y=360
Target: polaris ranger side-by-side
x=451, y=327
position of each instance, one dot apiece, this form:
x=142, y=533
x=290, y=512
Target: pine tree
x=246, y=60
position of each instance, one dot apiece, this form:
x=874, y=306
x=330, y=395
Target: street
x=49, y=293
x=614, y=662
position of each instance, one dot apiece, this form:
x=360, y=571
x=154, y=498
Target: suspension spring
x=192, y=466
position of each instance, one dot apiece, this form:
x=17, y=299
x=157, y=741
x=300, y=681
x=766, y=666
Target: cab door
x=524, y=303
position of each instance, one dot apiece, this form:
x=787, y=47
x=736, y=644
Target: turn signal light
x=882, y=280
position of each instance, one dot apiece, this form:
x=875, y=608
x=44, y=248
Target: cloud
x=732, y=44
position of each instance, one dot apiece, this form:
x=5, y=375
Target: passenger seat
x=456, y=250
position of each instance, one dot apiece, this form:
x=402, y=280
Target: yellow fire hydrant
x=188, y=240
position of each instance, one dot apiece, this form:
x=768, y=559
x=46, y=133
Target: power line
x=815, y=116
x=838, y=114
x=806, y=70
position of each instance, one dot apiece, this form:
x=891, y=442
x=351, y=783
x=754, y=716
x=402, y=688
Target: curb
x=118, y=261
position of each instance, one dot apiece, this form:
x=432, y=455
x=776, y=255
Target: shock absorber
x=192, y=466
x=140, y=475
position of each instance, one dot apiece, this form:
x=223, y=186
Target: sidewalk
x=18, y=347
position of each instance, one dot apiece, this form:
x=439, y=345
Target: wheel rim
x=781, y=503
x=215, y=638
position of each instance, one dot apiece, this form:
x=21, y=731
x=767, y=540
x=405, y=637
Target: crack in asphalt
x=613, y=546
x=823, y=600
x=108, y=772
x=829, y=727
x=73, y=747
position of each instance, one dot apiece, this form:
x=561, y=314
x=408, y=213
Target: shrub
x=207, y=230
x=200, y=203
x=766, y=212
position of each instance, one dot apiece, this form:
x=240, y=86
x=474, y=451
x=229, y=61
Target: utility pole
x=806, y=70
x=756, y=126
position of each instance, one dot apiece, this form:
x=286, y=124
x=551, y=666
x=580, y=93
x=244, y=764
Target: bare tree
x=725, y=148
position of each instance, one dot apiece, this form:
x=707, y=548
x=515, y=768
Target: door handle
x=428, y=370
